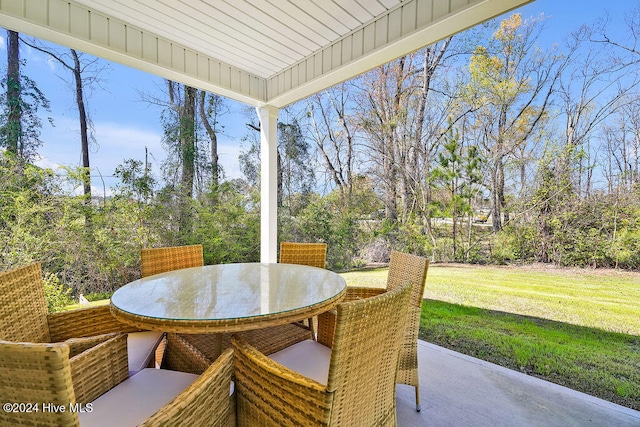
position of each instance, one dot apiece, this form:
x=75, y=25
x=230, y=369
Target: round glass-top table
x=227, y=297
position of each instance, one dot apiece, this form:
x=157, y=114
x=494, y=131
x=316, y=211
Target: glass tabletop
x=228, y=291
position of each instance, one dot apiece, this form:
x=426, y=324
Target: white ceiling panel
x=256, y=51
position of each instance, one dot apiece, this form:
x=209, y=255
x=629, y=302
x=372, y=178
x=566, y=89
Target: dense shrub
x=95, y=248
x=58, y=296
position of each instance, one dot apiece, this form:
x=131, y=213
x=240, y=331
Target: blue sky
x=124, y=124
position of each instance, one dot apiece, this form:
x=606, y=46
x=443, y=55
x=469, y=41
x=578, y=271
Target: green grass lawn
x=578, y=328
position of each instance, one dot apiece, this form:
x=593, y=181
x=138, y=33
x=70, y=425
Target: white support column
x=268, y=183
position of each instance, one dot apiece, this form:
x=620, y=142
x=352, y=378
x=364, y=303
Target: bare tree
x=589, y=92
x=433, y=58
x=622, y=148
x=334, y=132
x=383, y=115
x=629, y=41
x=210, y=108
x=85, y=72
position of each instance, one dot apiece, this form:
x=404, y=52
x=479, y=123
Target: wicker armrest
x=260, y=381
x=99, y=368
x=84, y=322
x=358, y=292
x=79, y=345
x=327, y=328
x=206, y=401
x=275, y=338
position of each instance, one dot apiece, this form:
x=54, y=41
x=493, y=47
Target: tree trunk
x=495, y=200
x=454, y=218
x=213, y=138
x=14, y=125
x=187, y=141
x=500, y=195
x=84, y=127
x=187, y=157
x=334, y=137
x=544, y=215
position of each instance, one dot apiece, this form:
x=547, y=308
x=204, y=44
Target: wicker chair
x=54, y=389
x=312, y=254
x=403, y=268
x=24, y=317
x=160, y=260
x=179, y=354
x=352, y=383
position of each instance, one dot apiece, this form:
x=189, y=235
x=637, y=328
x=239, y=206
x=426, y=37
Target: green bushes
x=42, y=219
x=601, y=231
x=325, y=219
x=96, y=247
x=58, y=296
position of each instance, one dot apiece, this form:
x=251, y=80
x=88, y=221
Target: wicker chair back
x=23, y=306
x=160, y=260
x=364, y=358
x=312, y=254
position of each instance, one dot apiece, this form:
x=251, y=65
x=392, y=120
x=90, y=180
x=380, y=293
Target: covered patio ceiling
x=266, y=53
x=261, y=52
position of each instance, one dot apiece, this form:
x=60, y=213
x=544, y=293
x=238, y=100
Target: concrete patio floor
x=459, y=390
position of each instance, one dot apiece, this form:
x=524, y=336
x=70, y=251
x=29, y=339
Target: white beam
x=268, y=183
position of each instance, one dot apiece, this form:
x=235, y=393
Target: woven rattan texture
x=23, y=312
x=36, y=373
x=312, y=254
x=270, y=340
x=327, y=320
x=206, y=402
x=403, y=268
x=413, y=269
x=44, y=373
x=195, y=352
x=84, y=322
x=23, y=306
x=181, y=354
x=177, y=354
x=160, y=260
x=100, y=368
x=361, y=384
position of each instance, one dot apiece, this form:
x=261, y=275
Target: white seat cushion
x=137, y=398
x=308, y=358
x=141, y=348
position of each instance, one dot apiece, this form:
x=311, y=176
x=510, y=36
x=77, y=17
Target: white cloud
x=100, y=191
x=228, y=153
x=115, y=143
x=45, y=163
x=53, y=65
